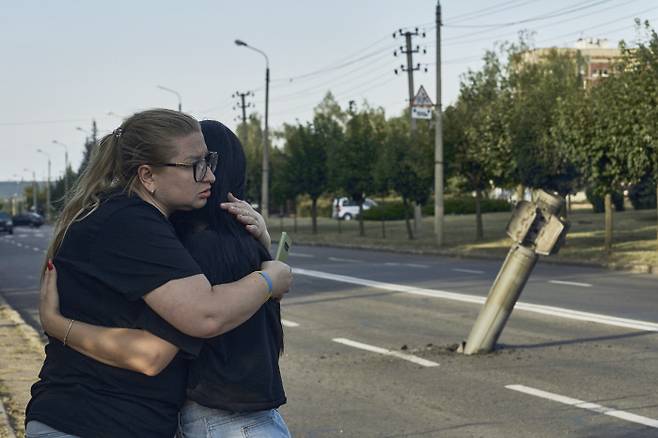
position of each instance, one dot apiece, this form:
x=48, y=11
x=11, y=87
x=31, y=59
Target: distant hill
x=9, y=188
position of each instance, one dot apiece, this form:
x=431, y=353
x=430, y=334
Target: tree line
x=517, y=123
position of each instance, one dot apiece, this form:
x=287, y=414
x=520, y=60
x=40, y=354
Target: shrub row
x=464, y=205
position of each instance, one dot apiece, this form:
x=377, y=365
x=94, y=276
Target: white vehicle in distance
x=348, y=209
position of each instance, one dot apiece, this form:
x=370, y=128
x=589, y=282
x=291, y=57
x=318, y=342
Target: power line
x=512, y=33
x=332, y=82
x=340, y=65
x=558, y=13
x=486, y=11
x=341, y=95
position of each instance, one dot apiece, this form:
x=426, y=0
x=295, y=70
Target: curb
x=10, y=425
x=8, y=431
x=33, y=337
x=637, y=269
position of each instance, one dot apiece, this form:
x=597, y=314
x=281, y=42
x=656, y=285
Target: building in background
x=599, y=58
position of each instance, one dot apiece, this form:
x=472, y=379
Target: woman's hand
x=49, y=301
x=281, y=275
x=250, y=218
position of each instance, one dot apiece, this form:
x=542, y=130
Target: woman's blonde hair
x=144, y=138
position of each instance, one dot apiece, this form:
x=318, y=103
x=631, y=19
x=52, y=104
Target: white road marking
x=392, y=264
x=408, y=357
x=287, y=323
x=338, y=259
x=415, y=265
x=570, y=283
x=468, y=271
x=19, y=244
x=38, y=235
x=465, y=298
x=585, y=405
x=36, y=249
x=299, y=254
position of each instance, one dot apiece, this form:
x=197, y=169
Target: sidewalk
x=20, y=362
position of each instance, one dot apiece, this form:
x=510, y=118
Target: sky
x=68, y=62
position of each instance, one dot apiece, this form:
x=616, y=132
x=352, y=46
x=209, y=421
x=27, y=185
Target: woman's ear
x=146, y=177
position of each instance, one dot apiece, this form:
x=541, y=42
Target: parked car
x=33, y=220
x=348, y=209
x=6, y=224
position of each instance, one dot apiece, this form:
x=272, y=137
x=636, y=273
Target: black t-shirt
x=239, y=370
x=106, y=264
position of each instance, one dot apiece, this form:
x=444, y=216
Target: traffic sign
x=422, y=99
x=418, y=112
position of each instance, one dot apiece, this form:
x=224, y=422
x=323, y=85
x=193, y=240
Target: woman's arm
x=220, y=308
x=132, y=349
x=250, y=218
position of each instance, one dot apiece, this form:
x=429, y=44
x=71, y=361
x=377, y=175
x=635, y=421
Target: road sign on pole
x=422, y=105
x=418, y=112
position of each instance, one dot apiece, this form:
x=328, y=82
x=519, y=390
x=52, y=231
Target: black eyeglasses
x=199, y=167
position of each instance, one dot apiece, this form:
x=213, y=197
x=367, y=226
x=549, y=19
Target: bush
x=304, y=206
x=598, y=202
x=388, y=211
x=643, y=194
x=463, y=205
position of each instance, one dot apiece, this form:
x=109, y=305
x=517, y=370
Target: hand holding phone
x=285, y=242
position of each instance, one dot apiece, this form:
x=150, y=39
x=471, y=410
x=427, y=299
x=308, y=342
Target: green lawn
x=634, y=236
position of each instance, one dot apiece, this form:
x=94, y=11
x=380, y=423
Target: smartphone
x=285, y=242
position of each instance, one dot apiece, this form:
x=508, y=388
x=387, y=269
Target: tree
x=351, y=161
x=479, y=131
x=404, y=164
x=90, y=143
x=306, y=167
x=610, y=131
x=253, y=149
x=535, y=88
x=281, y=189
x=640, y=78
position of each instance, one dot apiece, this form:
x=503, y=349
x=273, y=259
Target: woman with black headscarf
x=235, y=385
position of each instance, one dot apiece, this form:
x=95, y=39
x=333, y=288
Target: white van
x=348, y=209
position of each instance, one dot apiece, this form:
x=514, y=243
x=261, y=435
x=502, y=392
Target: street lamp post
x=34, y=189
x=16, y=199
x=47, y=185
x=266, y=150
x=180, y=106
x=66, y=166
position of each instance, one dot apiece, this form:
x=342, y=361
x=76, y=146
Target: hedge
x=464, y=205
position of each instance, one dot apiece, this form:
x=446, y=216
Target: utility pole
x=242, y=104
x=410, y=68
x=438, y=139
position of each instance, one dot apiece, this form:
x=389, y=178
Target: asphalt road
x=369, y=340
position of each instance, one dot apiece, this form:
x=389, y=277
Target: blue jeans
x=36, y=429
x=198, y=421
